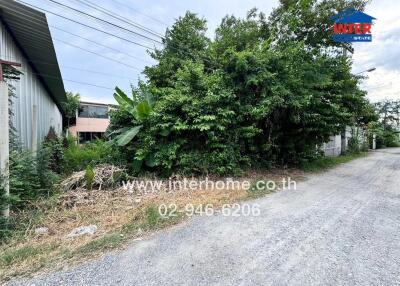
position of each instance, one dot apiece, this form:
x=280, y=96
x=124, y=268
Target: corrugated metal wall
x=30, y=92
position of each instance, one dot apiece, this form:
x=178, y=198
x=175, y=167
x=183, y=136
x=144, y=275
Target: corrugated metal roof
x=31, y=33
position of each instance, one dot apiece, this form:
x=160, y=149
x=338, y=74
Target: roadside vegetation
x=254, y=96
x=256, y=102
x=325, y=163
x=387, y=128
x=119, y=215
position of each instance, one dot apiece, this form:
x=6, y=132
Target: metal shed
x=25, y=38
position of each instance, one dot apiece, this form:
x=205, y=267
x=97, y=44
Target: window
x=89, y=136
x=92, y=111
x=83, y=111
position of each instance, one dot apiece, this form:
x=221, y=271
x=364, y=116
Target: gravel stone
x=341, y=227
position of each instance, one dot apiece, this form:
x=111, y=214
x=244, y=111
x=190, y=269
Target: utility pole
x=4, y=134
x=345, y=49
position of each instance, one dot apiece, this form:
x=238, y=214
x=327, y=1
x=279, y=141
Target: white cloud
x=383, y=52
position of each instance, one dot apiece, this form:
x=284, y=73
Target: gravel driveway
x=341, y=227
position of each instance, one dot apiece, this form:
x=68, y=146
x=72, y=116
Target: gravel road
x=341, y=227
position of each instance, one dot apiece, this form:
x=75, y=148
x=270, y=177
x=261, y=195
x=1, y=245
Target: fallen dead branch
x=105, y=177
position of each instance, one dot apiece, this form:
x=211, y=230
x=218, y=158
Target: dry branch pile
x=105, y=177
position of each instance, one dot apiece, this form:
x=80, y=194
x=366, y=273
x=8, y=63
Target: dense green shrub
x=77, y=157
x=33, y=175
x=386, y=135
x=242, y=99
x=387, y=138
x=387, y=128
x=24, y=179
x=354, y=145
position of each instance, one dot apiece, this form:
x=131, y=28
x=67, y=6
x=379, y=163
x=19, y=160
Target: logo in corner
x=352, y=26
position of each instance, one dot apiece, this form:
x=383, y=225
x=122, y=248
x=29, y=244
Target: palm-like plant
x=140, y=106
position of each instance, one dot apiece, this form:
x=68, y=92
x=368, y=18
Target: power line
x=97, y=72
x=104, y=21
x=110, y=34
x=70, y=67
x=97, y=54
x=89, y=84
x=119, y=17
x=141, y=13
x=45, y=38
x=97, y=43
x=85, y=25
x=92, y=52
x=176, y=47
x=70, y=80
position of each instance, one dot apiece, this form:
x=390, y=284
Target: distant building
x=91, y=122
x=339, y=144
x=25, y=38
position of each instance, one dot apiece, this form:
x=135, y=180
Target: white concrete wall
x=337, y=143
x=30, y=92
x=334, y=146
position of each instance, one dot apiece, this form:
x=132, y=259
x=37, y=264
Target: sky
x=101, y=75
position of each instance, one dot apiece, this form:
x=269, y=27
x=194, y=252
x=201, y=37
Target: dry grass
x=119, y=216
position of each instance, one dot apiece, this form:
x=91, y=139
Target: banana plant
x=139, y=107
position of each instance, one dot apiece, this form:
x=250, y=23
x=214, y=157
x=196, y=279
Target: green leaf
x=137, y=165
x=127, y=136
x=143, y=109
x=124, y=101
x=118, y=131
x=149, y=97
x=150, y=161
x=122, y=95
x=165, y=132
x=110, y=143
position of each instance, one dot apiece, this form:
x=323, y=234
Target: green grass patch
x=9, y=257
x=259, y=189
x=152, y=216
x=106, y=242
x=154, y=220
x=325, y=163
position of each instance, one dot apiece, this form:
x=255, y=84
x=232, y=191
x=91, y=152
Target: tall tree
x=185, y=41
x=247, y=97
x=309, y=20
x=71, y=106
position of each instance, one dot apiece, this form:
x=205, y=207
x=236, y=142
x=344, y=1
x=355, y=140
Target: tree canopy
x=261, y=92
x=71, y=105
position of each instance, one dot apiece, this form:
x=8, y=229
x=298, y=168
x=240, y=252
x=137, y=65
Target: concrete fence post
x=4, y=142
x=373, y=141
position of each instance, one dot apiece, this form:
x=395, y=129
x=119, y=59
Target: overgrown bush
x=24, y=178
x=78, y=157
x=49, y=158
x=249, y=97
x=386, y=135
x=387, y=129
x=354, y=145
x=33, y=175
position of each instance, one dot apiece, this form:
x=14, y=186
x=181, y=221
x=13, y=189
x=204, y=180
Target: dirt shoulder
x=120, y=215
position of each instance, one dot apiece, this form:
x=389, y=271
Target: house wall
x=32, y=101
x=85, y=124
x=89, y=125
